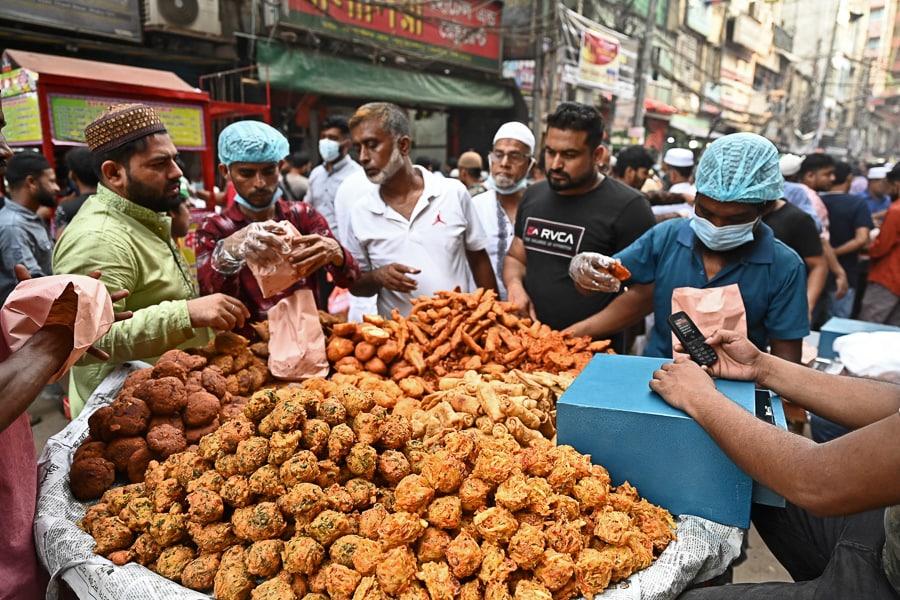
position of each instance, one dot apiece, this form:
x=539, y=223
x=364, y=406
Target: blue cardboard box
x=835, y=327
x=610, y=413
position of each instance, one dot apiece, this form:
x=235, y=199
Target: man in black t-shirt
x=576, y=209
x=797, y=229
x=851, y=222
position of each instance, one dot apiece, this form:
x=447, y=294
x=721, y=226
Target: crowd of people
x=783, y=236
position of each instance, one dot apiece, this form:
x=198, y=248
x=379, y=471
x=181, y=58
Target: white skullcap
x=679, y=157
x=790, y=164
x=877, y=173
x=514, y=130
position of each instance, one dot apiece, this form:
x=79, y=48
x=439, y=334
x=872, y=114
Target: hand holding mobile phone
x=692, y=339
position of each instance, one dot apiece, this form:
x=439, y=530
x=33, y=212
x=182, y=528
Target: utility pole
x=537, y=89
x=820, y=102
x=644, y=64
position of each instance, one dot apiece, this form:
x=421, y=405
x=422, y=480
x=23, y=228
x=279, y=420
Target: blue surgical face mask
x=724, y=238
x=329, y=150
x=275, y=198
x=517, y=187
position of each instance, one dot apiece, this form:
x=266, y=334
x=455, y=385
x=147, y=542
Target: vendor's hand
x=312, y=252
x=260, y=243
x=65, y=308
x=396, y=277
x=738, y=357
x=589, y=271
x=520, y=298
x=218, y=311
x=681, y=382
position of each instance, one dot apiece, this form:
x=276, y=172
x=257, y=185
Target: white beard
x=395, y=163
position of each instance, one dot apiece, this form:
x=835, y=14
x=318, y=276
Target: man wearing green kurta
x=124, y=232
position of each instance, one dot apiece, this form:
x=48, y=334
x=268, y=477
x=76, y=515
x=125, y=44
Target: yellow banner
x=69, y=115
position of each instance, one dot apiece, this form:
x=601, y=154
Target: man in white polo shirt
x=412, y=233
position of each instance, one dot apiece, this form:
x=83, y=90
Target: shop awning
x=693, y=126
x=309, y=71
x=69, y=69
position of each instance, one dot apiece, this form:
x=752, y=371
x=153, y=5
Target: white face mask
x=329, y=150
x=722, y=239
x=506, y=185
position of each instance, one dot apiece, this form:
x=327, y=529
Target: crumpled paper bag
x=25, y=312
x=274, y=278
x=711, y=309
x=296, y=340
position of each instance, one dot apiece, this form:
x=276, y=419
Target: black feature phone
x=692, y=339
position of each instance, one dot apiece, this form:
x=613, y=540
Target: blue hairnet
x=251, y=142
x=741, y=167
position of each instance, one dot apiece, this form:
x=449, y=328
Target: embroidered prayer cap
x=741, y=167
x=120, y=124
x=252, y=142
x=514, y=130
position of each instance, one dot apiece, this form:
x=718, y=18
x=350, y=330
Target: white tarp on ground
x=704, y=549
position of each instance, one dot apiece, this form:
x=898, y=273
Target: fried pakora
x=261, y=521
x=263, y=558
x=302, y=555
x=463, y=555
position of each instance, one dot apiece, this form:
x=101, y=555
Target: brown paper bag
x=711, y=309
x=296, y=341
x=27, y=307
x=281, y=276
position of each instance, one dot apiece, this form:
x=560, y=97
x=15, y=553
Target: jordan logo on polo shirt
x=438, y=219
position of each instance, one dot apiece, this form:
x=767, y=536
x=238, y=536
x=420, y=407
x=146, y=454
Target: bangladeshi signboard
x=69, y=115
x=461, y=32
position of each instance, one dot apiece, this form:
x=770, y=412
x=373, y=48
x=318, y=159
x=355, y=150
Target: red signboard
x=454, y=31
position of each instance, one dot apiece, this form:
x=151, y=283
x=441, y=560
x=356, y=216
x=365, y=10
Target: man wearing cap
x=678, y=163
x=724, y=243
x=876, y=195
x=250, y=156
x=412, y=232
x=470, y=166
x=576, y=209
x=510, y=160
x=795, y=192
x=124, y=231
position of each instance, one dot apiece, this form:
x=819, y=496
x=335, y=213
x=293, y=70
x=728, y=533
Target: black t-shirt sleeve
x=636, y=218
x=805, y=234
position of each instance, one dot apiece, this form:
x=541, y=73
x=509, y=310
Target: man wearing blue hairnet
x=724, y=243
x=250, y=156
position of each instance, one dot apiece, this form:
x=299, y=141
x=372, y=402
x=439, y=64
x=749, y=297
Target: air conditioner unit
x=199, y=16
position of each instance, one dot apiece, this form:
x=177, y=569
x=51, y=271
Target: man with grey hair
x=411, y=232
x=511, y=160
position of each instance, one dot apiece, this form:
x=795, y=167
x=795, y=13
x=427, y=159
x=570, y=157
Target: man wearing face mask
x=510, y=161
x=738, y=180
x=251, y=155
x=326, y=178
x=31, y=183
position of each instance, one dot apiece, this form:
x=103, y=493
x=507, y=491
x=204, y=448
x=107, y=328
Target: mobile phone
x=692, y=339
